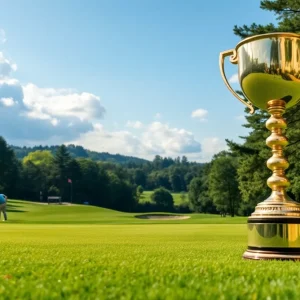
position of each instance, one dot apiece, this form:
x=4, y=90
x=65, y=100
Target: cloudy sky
x=132, y=77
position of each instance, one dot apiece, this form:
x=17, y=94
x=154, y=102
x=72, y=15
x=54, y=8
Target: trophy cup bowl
x=269, y=76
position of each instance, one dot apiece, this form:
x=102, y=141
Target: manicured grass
x=177, y=197
x=24, y=212
x=122, y=259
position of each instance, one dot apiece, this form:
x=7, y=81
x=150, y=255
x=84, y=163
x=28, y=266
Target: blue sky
x=121, y=76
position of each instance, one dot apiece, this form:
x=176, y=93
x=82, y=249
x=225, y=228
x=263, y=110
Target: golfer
x=3, y=200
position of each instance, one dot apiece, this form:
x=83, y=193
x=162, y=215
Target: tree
x=75, y=175
x=139, y=190
x=163, y=198
x=195, y=189
x=175, y=179
x=223, y=185
x=121, y=194
x=184, y=160
x=139, y=177
x=53, y=191
x=288, y=15
x=199, y=198
x=62, y=160
x=10, y=170
x=34, y=180
x=157, y=162
x=43, y=158
x=94, y=184
x=158, y=179
x=37, y=173
x=189, y=176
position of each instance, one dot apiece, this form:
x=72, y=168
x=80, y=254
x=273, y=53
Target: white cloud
x=11, y=88
x=99, y=139
x=200, y=114
x=6, y=66
x=161, y=138
x=61, y=103
x=9, y=81
x=37, y=115
x=54, y=122
x=7, y=101
x=234, y=78
x=156, y=138
x=43, y=114
x=211, y=146
x=134, y=124
x=2, y=36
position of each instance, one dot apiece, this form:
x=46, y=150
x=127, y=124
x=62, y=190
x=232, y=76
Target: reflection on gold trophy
x=269, y=76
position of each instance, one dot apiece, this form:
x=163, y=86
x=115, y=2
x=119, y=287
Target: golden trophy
x=269, y=76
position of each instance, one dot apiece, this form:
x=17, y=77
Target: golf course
x=85, y=252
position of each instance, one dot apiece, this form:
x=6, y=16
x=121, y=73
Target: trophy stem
x=277, y=141
x=274, y=227
x=277, y=163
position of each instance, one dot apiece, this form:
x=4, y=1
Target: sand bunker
x=162, y=217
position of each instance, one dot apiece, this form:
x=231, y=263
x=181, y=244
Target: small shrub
x=163, y=198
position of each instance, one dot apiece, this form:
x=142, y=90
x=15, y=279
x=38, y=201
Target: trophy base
x=272, y=253
x=273, y=238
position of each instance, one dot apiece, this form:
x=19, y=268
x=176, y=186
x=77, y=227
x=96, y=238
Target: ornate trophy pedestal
x=273, y=239
x=274, y=227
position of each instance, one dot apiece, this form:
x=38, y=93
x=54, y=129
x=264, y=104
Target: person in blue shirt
x=3, y=200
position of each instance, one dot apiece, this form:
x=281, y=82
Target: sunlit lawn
x=128, y=258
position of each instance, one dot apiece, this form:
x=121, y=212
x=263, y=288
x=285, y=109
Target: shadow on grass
x=14, y=208
x=13, y=205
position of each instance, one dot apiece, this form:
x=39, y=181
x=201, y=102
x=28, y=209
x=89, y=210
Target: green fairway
x=128, y=258
x=23, y=212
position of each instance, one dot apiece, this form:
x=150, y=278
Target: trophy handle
x=234, y=60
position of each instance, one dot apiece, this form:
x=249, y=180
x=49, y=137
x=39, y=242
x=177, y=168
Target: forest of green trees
x=103, y=183
x=233, y=182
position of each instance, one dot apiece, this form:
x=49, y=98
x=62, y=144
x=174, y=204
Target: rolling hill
x=79, y=151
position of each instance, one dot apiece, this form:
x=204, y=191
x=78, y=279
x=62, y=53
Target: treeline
x=172, y=174
x=100, y=183
x=79, y=151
